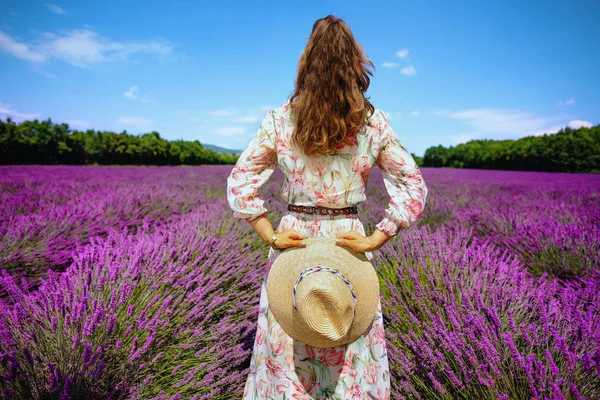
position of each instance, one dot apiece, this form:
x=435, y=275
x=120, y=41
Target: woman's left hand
x=355, y=241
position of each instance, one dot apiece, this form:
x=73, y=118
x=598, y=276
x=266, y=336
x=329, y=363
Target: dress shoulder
x=377, y=122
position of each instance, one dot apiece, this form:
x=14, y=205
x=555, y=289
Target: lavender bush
x=135, y=282
x=469, y=321
x=43, y=209
x=167, y=311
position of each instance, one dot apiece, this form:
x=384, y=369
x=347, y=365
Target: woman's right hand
x=290, y=238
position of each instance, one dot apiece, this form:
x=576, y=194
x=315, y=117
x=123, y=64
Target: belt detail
x=319, y=210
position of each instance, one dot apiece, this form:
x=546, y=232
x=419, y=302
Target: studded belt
x=318, y=210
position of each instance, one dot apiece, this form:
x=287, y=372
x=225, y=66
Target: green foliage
x=568, y=150
x=418, y=160
x=35, y=142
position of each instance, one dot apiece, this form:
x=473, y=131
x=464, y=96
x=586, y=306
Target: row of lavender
x=550, y=221
x=163, y=303
x=43, y=209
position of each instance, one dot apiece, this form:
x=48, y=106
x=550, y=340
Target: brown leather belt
x=318, y=210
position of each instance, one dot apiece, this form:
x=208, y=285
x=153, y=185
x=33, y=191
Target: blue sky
x=445, y=72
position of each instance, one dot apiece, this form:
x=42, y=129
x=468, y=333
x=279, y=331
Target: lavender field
x=136, y=282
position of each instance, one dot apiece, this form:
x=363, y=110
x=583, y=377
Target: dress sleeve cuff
x=390, y=226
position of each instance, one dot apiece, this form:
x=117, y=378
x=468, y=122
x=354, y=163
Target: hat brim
x=354, y=265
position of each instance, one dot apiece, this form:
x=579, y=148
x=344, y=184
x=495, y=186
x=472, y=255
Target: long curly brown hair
x=328, y=103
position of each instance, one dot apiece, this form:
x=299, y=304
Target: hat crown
x=320, y=268
x=326, y=307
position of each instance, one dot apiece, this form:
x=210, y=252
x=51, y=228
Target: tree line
x=568, y=150
x=44, y=142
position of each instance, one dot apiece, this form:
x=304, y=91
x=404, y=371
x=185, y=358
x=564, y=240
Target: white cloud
x=19, y=50
x=231, y=130
x=81, y=48
x=410, y=70
x=232, y=123
x=497, y=120
x=133, y=93
x=134, y=121
x=576, y=124
x=542, y=132
x=569, y=102
x=75, y=123
x=402, y=53
x=55, y=9
x=7, y=111
x=504, y=123
x=414, y=113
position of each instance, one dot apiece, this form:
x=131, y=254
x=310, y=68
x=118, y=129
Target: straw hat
x=323, y=294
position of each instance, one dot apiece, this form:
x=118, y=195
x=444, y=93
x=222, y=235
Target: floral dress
x=281, y=366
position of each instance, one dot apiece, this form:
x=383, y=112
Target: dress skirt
x=285, y=368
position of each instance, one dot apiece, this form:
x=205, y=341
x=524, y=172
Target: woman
x=325, y=140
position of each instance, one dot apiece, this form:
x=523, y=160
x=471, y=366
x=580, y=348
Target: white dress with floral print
x=281, y=366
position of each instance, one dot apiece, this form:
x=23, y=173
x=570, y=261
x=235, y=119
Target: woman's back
x=336, y=180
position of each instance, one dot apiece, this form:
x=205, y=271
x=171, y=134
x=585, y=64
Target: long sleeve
x=253, y=169
x=403, y=181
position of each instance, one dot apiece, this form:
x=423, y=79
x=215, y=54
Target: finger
x=297, y=243
x=347, y=235
x=342, y=242
x=297, y=235
x=348, y=246
x=351, y=246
